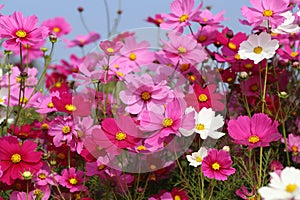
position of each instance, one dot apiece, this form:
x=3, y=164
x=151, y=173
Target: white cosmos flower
x=288, y=26
x=196, y=158
x=206, y=124
x=258, y=47
x=282, y=187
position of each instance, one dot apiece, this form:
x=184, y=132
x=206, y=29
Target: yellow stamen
x=267, y=13
x=291, y=188
x=73, y=181
x=50, y=105
x=132, y=56
x=181, y=50
x=183, y=18
x=66, y=130
x=202, y=98
x=70, y=107
x=56, y=30
x=110, y=50
x=216, y=166
x=120, y=136
x=146, y=96
x=200, y=127
x=258, y=50
x=167, y=122
x=21, y=34
x=253, y=139
x=141, y=147
x=201, y=38
x=42, y=176
x=198, y=159
x=16, y=158
x=58, y=84
x=177, y=197
x=294, y=54
x=237, y=56
x=232, y=46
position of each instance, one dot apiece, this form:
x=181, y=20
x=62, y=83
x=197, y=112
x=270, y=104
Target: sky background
x=134, y=14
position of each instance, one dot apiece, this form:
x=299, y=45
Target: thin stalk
x=107, y=18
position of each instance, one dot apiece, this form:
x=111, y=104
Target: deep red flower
x=23, y=132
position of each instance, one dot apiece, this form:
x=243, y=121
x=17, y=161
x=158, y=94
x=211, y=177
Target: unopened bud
x=226, y=148
x=80, y=9
x=119, y=12
x=52, y=38
x=229, y=34
x=244, y=75
x=283, y=95
x=27, y=175
x=44, y=49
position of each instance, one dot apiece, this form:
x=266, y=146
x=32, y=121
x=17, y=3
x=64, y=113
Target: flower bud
x=226, y=148
x=283, y=95
x=27, y=175
x=80, y=9
x=53, y=38
x=244, y=75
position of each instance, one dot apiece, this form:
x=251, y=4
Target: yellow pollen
x=66, y=130
x=24, y=100
x=50, y=105
x=45, y=126
x=200, y=127
x=18, y=79
x=183, y=18
x=120, y=73
x=294, y=148
x=42, y=176
x=291, y=188
x=159, y=21
x=202, y=98
x=205, y=19
x=27, y=46
x=21, y=34
x=141, y=147
x=257, y=50
x=15, y=158
x=201, y=38
x=192, y=77
x=248, y=66
x=254, y=87
x=294, y=54
x=110, y=50
x=216, y=166
x=146, y=96
x=237, y=56
x=56, y=30
x=100, y=167
x=61, y=156
x=120, y=136
x=177, y=197
x=253, y=139
x=116, y=66
x=181, y=50
x=58, y=84
x=1, y=100
x=229, y=79
x=232, y=46
x=132, y=56
x=167, y=122
x=152, y=166
x=73, y=181
x=184, y=67
x=198, y=159
x=70, y=107
x=267, y=13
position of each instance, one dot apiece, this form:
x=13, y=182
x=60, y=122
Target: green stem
x=264, y=89
x=260, y=167
x=285, y=143
x=212, y=188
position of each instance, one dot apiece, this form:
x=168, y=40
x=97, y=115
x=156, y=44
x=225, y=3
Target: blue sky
x=134, y=14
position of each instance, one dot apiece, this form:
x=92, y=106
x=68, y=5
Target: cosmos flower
x=259, y=131
x=71, y=179
x=197, y=157
x=82, y=40
x=258, y=47
x=58, y=26
x=217, y=165
x=15, y=158
x=283, y=186
x=18, y=29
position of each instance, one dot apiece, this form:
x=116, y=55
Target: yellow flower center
x=120, y=73
x=141, y=147
x=254, y=87
x=100, y=167
x=248, y=66
x=146, y=96
x=110, y=50
x=183, y=18
x=177, y=197
x=132, y=56
x=1, y=100
x=198, y=159
x=294, y=148
x=45, y=126
x=253, y=139
x=61, y=156
x=232, y=46
x=291, y=188
x=192, y=78
x=24, y=100
x=66, y=130
x=152, y=166
x=268, y=13
x=216, y=166
x=120, y=136
x=229, y=79
x=21, y=34
x=42, y=176
x=56, y=30
x=181, y=50
x=202, y=98
x=15, y=158
x=50, y=105
x=257, y=50
x=184, y=67
x=200, y=127
x=58, y=84
x=202, y=38
x=237, y=56
x=205, y=19
x=294, y=54
x=73, y=181
x=167, y=122
x=70, y=107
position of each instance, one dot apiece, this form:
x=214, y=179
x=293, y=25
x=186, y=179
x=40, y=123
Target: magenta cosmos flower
x=71, y=179
x=142, y=93
x=18, y=29
x=217, y=165
x=183, y=49
x=258, y=131
x=181, y=16
x=15, y=158
x=58, y=26
x=266, y=10
x=82, y=40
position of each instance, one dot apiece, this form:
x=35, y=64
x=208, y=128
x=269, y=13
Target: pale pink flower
x=58, y=26
x=82, y=40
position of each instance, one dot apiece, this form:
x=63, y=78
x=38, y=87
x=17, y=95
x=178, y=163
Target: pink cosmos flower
x=217, y=165
x=206, y=35
x=182, y=49
x=258, y=131
x=142, y=93
x=44, y=103
x=27, y=100
x=18, y=29
x=82, y=40
x=157, y=20
x=30, y=53
x=266, y=10
x=293, y=143
x=44, y=177
x=181, y=16
x=288, y=54
x=63, y=131
x=206, y=18
x=58, y=26
x=16, y=158
x=72, y=179
x=111, y=48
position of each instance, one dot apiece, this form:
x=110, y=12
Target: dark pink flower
x=58, y=26
x=18, y=29
x=71, y=179
x=82, y=40
x=259, y=131
x=217, y=165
